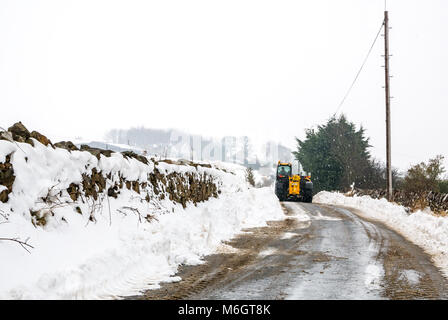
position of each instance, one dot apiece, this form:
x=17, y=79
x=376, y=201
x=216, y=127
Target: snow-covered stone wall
x=435, y=201
x=99, y=224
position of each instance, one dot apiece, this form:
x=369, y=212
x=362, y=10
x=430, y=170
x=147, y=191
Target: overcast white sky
x=267, y=69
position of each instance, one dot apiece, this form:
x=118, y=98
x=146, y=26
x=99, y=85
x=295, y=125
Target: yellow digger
x=289, y=187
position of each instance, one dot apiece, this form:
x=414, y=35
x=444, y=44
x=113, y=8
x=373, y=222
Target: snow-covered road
x=318, y=252
x=361, y=260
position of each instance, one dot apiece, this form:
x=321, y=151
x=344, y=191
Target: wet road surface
x=317, y=252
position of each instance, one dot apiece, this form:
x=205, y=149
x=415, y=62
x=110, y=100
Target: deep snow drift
x=423, y=228
x=119, y=252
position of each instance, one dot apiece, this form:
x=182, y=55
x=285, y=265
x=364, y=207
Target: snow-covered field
x=423, y=228
x=120, y=253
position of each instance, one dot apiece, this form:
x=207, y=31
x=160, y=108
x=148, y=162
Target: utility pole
x=388, y=125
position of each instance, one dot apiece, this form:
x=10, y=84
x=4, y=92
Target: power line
x=360, y=69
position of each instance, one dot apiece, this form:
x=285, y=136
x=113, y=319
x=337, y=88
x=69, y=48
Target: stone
x=131, y=154
x=4, y=196
x=73, y=191
x=67, y=145
x=19, y=132
x=6, y=178
x=111, y=192
x=4, y=135
x=96, y=151
x=41, y=138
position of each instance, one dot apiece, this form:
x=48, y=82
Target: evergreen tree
x=337, y=155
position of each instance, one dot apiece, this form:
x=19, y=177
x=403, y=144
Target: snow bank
x=120, y=252
x=423, y=228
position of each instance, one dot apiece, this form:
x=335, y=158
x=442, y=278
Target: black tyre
x=281, y=189
x=308, y=197
x=282, y=198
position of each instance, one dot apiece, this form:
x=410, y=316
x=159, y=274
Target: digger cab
x=284, y=170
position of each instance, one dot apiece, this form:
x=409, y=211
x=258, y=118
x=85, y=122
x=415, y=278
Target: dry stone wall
x=437, y=202
x=180, y=187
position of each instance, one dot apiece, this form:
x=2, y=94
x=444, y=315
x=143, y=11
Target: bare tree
x=424, y=176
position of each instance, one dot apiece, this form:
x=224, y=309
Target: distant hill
x=172, y=143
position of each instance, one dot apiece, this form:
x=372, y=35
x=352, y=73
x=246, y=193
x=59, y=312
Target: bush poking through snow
x=250, y=177
x=424, y=177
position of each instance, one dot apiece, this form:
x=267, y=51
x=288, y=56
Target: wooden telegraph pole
x=387, y=78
